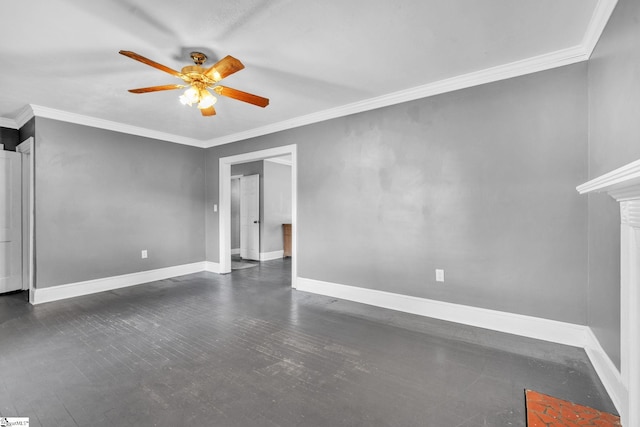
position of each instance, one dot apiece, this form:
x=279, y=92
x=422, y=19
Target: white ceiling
x=313, y=59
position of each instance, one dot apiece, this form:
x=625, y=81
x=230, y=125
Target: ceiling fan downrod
x=199, y=58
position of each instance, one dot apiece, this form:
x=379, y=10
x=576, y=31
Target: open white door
x=10, y=222
x=250, y=217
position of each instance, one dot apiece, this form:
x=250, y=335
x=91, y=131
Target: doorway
x=16, y=220
x=225, y=164
x=10, y=222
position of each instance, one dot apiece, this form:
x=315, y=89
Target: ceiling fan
x=199, y=80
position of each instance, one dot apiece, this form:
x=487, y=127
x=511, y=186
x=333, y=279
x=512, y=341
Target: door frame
x=27, y=148
x=224, y=199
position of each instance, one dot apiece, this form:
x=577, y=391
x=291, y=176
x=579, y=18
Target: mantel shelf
x=623, y=184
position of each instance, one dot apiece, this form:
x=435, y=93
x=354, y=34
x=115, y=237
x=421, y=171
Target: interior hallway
x=245, y=350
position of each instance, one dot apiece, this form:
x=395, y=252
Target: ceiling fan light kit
x=199, y=81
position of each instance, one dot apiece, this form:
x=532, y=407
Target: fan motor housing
x=193, y=69
x=195, y=75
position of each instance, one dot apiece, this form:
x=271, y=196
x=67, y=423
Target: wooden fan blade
x=209, y=111
x=241, y=96
x=156, y=88
x=151, y=63
x=223, y=68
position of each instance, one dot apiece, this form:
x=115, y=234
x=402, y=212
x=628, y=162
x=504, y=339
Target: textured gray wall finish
x=479, y=182
x=102, y=196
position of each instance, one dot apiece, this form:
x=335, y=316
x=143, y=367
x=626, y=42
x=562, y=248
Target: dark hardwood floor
x=245, y=349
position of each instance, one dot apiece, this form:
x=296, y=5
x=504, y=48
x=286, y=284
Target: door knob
x=256, y=222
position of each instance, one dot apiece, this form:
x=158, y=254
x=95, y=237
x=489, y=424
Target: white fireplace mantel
x=623, y=184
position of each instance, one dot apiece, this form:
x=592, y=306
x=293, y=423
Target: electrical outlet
x=439, y=275
x=144, y=254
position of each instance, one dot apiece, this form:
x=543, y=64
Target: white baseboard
x=528, y=326
x=517, y=324
x=212, y=267
x=608, y=373
x=268, y=256
x=54, y=293
x=264, y=256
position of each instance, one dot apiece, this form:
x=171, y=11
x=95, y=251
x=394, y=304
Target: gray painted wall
x=614, y=140
x=277, y=205
x=102, y=196
x=480, y=182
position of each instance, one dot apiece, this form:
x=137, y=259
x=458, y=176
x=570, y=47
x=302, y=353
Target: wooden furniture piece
x=286, y=235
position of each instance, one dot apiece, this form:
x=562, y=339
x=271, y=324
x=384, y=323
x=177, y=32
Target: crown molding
x=489, y=75
x=65, y=116
x=21, y=119
x=8, y=123
x=601, y=14
x=24, y=116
